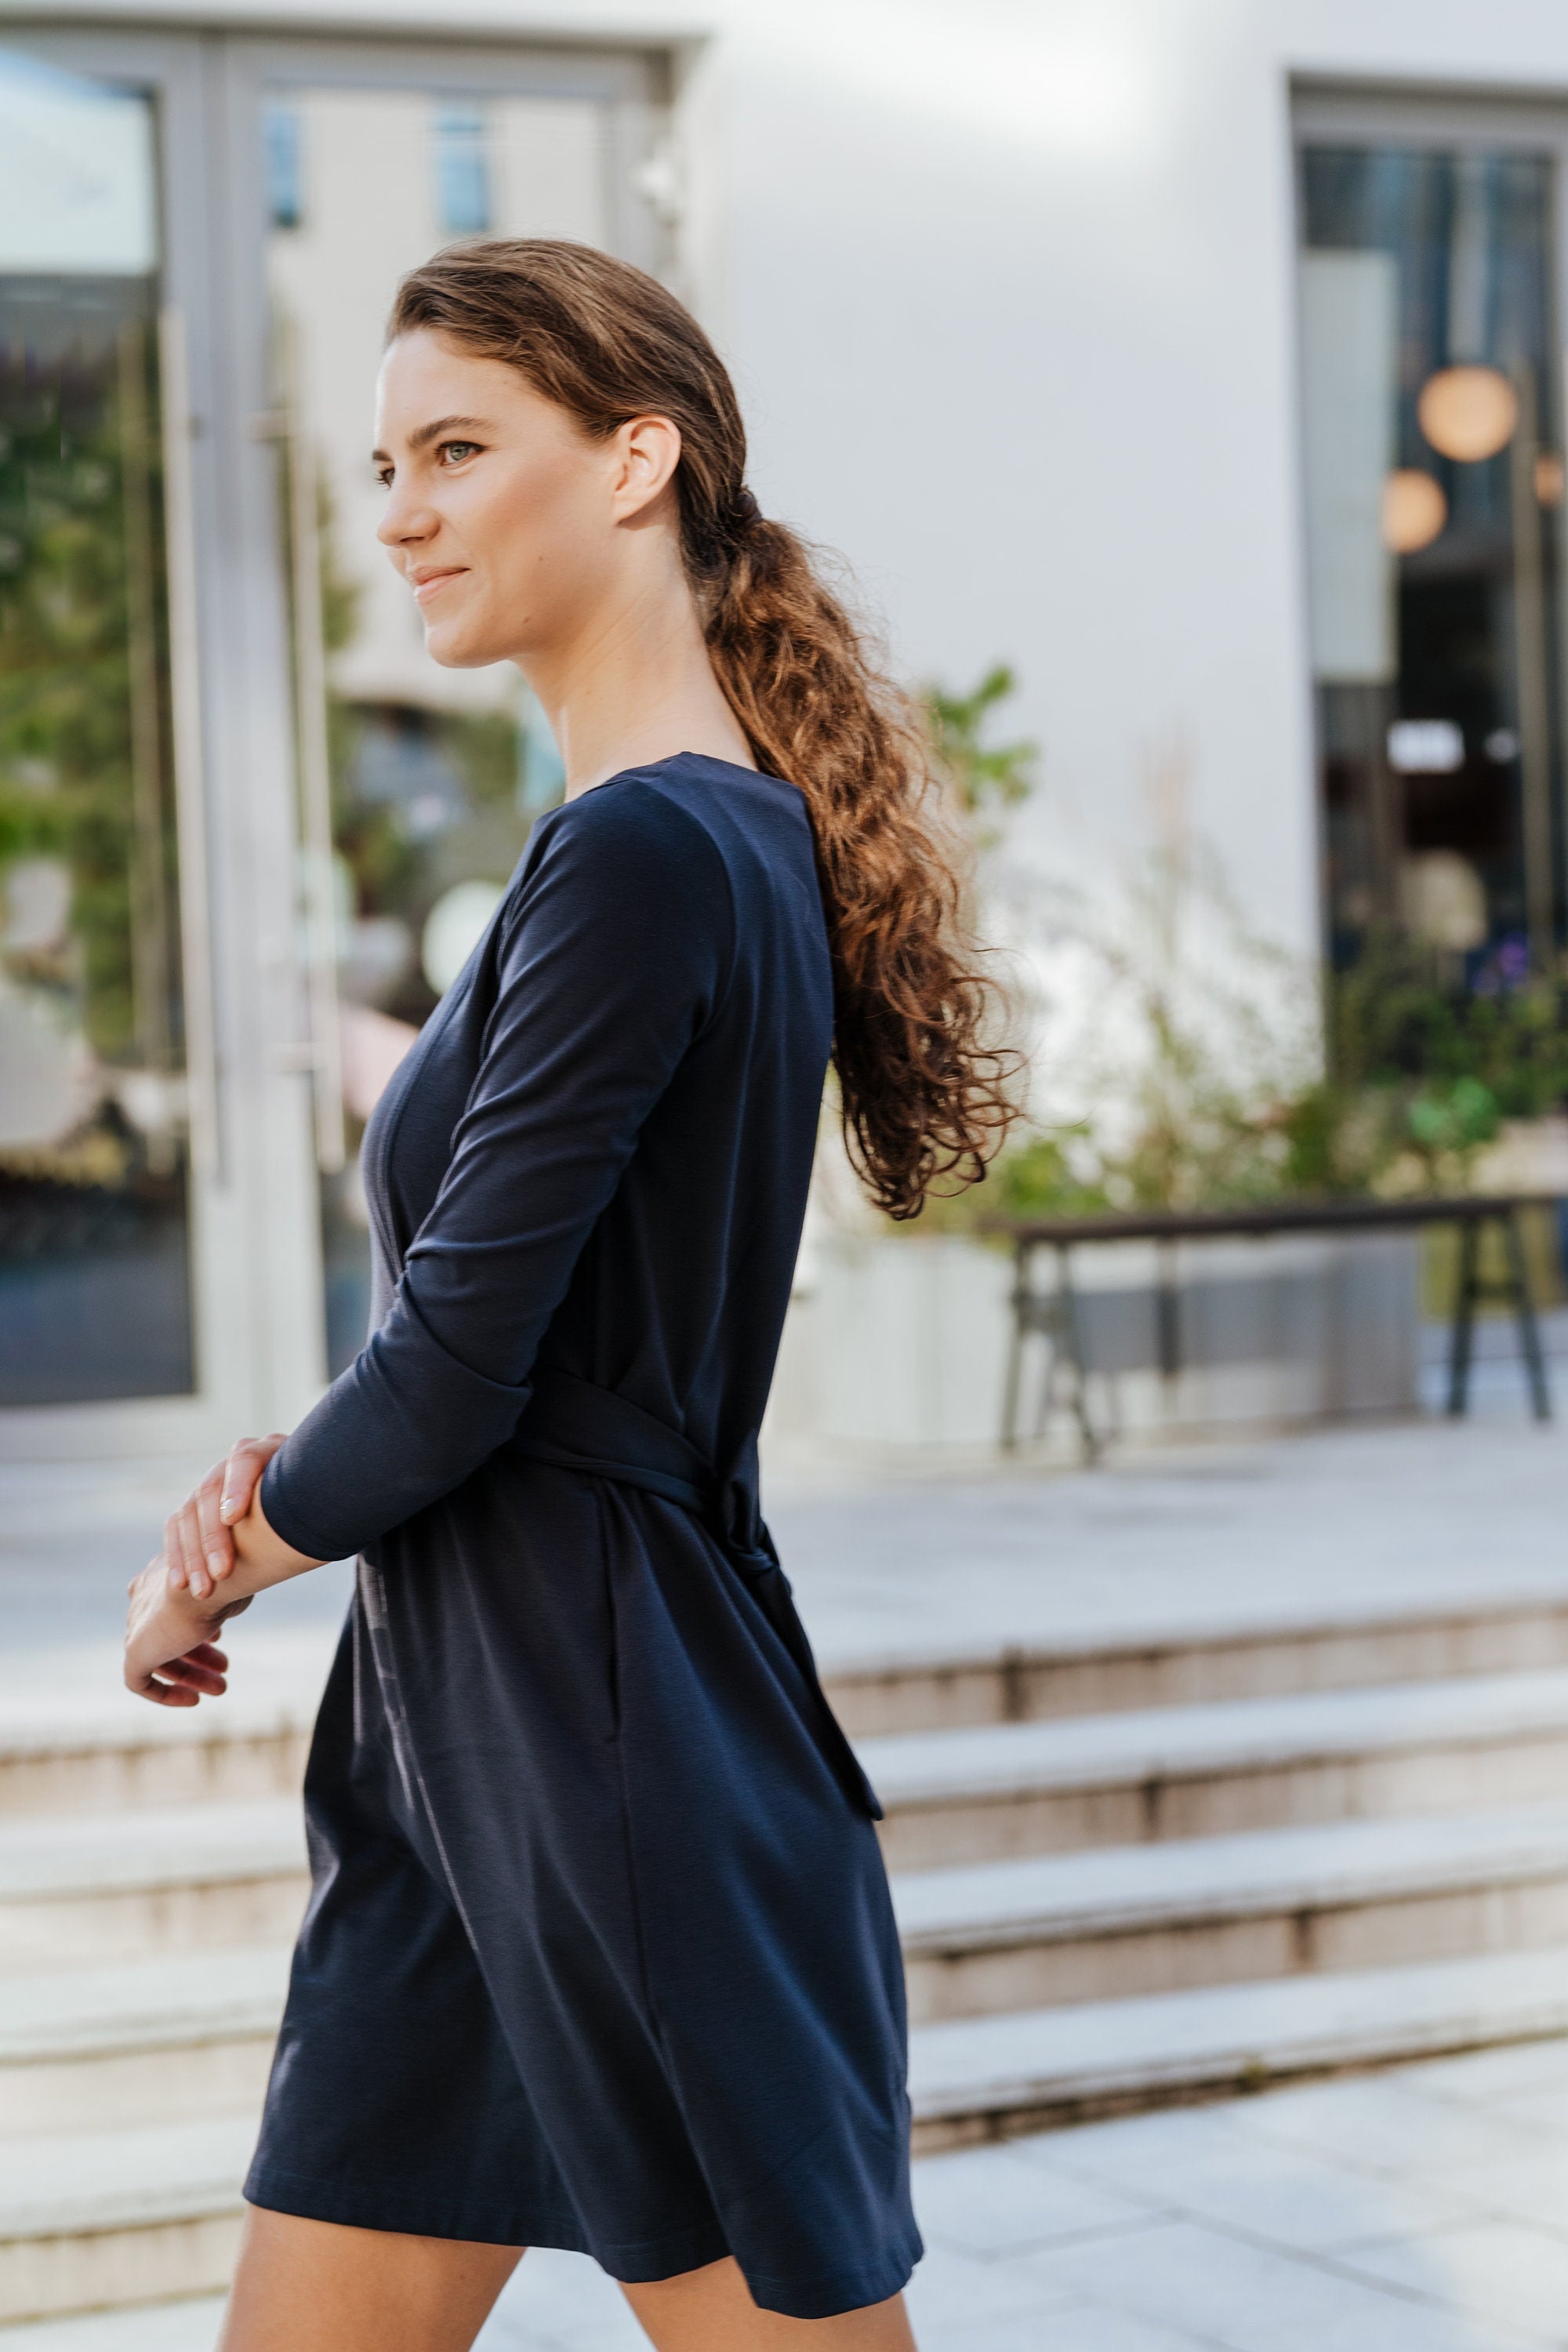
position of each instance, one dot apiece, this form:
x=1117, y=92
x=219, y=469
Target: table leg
x=1071, y=1329
x=1524, y=1311
x=1464, y=1317
x=1168, y=1313
x=1022, y=1300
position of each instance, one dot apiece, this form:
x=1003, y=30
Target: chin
x=456, y=648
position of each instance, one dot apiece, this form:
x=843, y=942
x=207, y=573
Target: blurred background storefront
x=1203, y=360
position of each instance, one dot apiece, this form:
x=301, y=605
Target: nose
x=404, y=519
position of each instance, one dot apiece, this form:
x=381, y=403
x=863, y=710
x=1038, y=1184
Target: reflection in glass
x=1430, y=378
x=94, y=1280
x=433, y=777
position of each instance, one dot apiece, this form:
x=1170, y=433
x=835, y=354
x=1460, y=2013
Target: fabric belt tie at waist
x=580, y=1426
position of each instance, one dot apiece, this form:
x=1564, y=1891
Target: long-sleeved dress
x=599, y=1952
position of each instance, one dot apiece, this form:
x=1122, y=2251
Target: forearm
x=261, y=1558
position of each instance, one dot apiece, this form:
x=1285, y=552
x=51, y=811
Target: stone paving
x=1421, y=2210
x=922, y=1563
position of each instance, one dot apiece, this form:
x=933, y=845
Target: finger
x=160, y=1694
x=191, y=1672
x=197, y=1581
x=174, y=1553
x=181, y=1550
x=247, y=1461
x=216, y=1543
x=171, y=1694
x=211, y=1655
x=243, y=1468
x=192, y=1535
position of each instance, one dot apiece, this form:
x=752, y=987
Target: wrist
x=262, y=1559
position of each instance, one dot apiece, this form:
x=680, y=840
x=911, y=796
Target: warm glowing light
x=1413, y=510
x=1468, y=413
x=1550, y=479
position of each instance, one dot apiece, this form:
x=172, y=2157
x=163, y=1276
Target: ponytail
x=924, y=1088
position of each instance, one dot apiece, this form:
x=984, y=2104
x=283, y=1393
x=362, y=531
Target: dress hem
x=643, y=2262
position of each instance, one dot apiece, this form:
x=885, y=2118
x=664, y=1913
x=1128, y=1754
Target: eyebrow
x=428, y=433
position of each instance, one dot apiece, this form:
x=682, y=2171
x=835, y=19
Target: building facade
x=1201, y=358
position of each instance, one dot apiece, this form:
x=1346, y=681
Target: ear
x=646, y=451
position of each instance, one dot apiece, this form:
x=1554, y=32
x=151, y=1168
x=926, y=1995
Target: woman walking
x=599, y=1952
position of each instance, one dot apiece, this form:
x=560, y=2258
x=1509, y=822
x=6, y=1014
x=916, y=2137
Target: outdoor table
x=1053, y=1313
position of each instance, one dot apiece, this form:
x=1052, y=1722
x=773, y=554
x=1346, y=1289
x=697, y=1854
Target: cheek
x=543, y=525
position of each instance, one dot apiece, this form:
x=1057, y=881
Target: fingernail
x=217, y=1563
x=225, y=1508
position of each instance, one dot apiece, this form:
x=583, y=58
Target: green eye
x=454, y=452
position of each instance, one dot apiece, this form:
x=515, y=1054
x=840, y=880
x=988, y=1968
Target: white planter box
x=903, y=1343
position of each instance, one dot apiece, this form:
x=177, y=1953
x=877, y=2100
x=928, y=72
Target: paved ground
x=1425, y=2211
x=916, y=1564
x=1421, y=2210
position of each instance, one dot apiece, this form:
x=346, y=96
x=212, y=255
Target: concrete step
x=979, y=2078
x=1129, y=1920
x=1008, y=1789
x=73, y=1888
x=92, y=2048
x=189, y=2326
x=72, y=1739
x=89, y=2219
x=1258, y=1648
x=226, y=1763
x=73, y=1742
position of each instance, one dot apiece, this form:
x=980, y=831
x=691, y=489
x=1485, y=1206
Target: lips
x=431, y=584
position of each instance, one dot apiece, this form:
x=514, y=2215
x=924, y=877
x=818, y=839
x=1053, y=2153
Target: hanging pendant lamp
x=1468, y=413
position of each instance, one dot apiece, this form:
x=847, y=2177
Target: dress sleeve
x=612, y=956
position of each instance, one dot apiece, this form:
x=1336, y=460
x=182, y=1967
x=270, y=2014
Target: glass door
x=1431, y=327
x=246, y=830
x=104, y=1044
x=417, y=786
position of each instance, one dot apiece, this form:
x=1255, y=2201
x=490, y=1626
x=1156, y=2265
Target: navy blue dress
x=599, y=1952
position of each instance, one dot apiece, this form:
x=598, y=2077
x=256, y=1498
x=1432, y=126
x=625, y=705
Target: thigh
x=712, y=2310
x=316, y=2286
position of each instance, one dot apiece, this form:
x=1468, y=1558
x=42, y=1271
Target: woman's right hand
x=198, y=1544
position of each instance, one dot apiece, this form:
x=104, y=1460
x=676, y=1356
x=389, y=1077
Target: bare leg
x=312, y=2286
x=711, y=2310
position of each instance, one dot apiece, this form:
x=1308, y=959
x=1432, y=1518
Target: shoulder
x=633, y=818
x=627, y=860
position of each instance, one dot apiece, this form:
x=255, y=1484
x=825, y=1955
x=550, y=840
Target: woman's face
x=507, y=520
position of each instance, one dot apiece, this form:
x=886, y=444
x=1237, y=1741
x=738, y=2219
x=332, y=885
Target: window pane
x=434, y=776
x=280, y=143
x=1434, y=488
x=94, y=1285
x=462, y=172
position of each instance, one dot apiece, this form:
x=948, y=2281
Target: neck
x=637, y=685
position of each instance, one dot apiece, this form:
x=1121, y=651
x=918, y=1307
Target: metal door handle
x=185, y=728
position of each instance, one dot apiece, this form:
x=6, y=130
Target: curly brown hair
x=925, y=1087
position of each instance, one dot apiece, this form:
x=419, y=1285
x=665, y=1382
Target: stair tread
x=1107, y=1621
x=155, y=2004
x=190, y=2326
x=73, y=1699
x=1176, y=2039
x=1112, y=1888
x=55, y=2184
x=1089, y=1751
x=173, y=1845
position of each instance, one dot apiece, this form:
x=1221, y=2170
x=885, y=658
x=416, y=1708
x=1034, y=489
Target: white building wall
x=1008, y=291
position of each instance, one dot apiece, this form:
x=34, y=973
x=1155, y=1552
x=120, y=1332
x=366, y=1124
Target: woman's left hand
x=171, y=1656
x=169, y=1653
